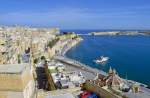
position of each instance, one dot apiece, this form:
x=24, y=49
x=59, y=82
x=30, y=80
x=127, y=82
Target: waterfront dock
x=77, y=64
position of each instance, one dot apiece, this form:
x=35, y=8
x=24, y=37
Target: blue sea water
x=129, y=55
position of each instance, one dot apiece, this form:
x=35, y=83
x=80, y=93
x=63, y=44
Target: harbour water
x=129, y=55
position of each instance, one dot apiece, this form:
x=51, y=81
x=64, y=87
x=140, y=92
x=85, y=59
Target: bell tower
x=110, y=71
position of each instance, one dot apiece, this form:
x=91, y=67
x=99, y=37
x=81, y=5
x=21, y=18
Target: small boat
x=101, y=60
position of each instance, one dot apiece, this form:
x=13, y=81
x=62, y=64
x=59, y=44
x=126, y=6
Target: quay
x=77, y=64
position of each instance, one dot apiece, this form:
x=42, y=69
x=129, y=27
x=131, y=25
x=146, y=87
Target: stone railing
x=103, y=93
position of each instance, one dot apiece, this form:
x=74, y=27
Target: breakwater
x=117, y=33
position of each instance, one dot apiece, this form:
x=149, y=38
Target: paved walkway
x=79, y=65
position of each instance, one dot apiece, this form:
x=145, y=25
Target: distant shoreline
x=119, y=33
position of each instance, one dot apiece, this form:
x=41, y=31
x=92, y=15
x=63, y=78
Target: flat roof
x=12, y=68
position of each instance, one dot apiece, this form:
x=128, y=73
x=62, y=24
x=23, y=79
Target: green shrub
x=53, y=42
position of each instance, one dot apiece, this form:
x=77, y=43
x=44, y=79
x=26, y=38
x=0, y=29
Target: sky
x=76, y=14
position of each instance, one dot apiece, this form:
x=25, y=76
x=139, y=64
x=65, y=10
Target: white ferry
x=101, y=60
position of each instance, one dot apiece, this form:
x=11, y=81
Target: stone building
x=16, y=81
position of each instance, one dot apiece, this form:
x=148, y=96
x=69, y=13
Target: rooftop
x=12, y=68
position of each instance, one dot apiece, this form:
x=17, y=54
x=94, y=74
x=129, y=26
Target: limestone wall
x=28, y=83
x=11, y=94
x=26, y=76
x=99, y=90
x=12, y=82
x=19, y=85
